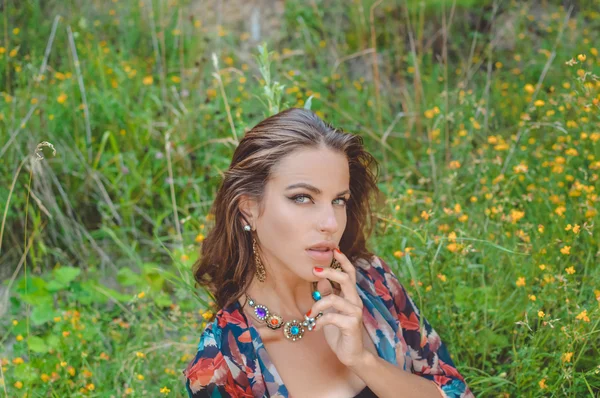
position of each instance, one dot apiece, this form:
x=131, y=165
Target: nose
x=328, y=221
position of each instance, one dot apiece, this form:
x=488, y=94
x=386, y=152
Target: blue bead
x=316, y=295
x=295, y=330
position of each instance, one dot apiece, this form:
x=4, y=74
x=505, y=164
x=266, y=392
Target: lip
x=321, y=257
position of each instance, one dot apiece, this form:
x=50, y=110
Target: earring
x=260, y=268
x=336, y=265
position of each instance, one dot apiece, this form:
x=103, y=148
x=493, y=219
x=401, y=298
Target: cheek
x=284, y=222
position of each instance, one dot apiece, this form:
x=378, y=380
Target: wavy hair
x=226, y=264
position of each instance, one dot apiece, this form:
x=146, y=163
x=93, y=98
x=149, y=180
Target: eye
x=294, y=198
x=299, y=196
x=345, y=201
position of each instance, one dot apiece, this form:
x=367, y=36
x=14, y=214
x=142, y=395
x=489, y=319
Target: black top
x=366, y=393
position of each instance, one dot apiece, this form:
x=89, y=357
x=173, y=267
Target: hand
x=342, y=320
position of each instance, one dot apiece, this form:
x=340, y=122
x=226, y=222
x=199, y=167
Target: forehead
x=324, y=168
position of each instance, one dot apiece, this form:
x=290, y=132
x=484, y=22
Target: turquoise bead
x=295, y=330
x=316, y=295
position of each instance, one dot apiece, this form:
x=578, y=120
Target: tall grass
x=484, y=116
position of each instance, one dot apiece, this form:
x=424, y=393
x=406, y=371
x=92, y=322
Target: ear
x=249, y=209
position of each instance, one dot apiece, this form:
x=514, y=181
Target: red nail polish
x=337, y=250
x=318, y=269
x=308, y=313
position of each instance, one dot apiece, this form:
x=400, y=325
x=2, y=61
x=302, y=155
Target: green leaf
x=86, y=293
x=31, y=285
x=42, y=313
x=37, y=344
x=127, y=277
x=25, y=372
x=53, y=341
x=55, y=286
x=66, y=275
x=162, y=299
x=39, y=298
x=113, y=294
x=153, y=276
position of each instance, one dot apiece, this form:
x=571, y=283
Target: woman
x=298, y=318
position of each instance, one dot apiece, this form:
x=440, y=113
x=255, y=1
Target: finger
x=325, y=287
x=344, y=280
x=347, y=324
x=347, y=266
x=333, y=302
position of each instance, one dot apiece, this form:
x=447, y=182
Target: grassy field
x=118, y=117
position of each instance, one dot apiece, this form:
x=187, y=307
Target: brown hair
x=226, y=263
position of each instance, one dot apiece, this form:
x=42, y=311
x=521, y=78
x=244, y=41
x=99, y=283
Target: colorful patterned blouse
x=232, y=360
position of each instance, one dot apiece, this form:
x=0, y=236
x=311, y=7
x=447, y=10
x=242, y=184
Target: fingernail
x=337, y=250
x=308, y=313
x=318, y=269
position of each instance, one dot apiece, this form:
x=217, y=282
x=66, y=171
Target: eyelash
x=293, y=198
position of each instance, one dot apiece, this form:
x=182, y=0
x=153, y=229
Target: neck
x=285, y=295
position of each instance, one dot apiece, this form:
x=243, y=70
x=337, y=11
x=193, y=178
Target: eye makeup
x=295, y=197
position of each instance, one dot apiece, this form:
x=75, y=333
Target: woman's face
x=296, y=216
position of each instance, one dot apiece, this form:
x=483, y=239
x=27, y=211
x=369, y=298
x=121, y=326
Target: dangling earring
x=260, y=268
x=336, y=265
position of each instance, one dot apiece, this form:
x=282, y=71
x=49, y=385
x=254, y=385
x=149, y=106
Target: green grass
x=490, y=163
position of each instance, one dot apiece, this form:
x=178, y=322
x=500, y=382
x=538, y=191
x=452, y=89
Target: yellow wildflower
x=581, y=57
x=148, y=80
x=455, y=164
x=542, y=384
x=566, y=357
x=516, y=215
x=532, y=297
x=529, y=88
x=452, y=236
x=570, y=270
x=566, y=250
x=165, y=390
x=62, y=98
x=583, y=316
x=520, y=281
x=541, y=314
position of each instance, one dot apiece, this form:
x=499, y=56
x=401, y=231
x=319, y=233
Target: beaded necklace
x=293, y=330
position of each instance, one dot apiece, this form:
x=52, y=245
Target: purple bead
x=261, y=312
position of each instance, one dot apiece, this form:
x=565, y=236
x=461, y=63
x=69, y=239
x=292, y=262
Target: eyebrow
x=312, y=188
